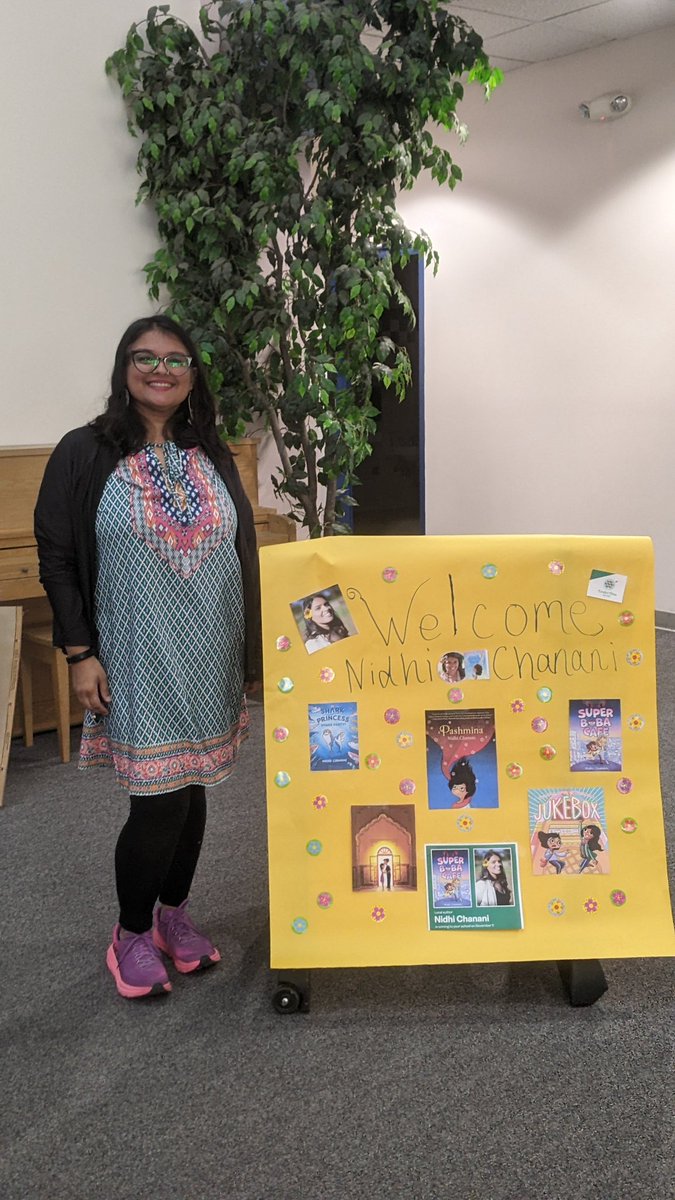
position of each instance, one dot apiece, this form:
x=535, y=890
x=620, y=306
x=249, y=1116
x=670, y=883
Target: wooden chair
x=36, y=646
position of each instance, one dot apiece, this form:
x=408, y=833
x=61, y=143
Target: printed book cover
x=462, y=758
x=473, y=887
x=595, y=735
x=384, y=849
x=568, y=831
x=333, y=737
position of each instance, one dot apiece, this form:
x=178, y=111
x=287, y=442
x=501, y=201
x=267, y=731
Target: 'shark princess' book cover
x=333, y=737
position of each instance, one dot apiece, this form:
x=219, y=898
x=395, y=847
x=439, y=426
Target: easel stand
x=583, y=981
x=292, y=992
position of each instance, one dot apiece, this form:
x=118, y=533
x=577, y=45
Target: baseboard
x=665, y=620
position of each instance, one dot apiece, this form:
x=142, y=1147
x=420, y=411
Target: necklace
x=168, y=461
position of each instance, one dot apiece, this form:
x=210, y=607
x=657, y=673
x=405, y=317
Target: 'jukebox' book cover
x=568, y=831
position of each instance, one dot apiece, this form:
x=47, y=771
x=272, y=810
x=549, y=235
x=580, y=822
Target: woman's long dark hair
x=593, y=842
x=337, y=630
x=501, y=883
x=121, y=425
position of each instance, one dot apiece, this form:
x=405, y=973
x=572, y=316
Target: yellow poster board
x=461, y=747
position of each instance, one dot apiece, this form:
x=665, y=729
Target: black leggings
x=157, y=853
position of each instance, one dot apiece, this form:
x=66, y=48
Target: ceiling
x=518, y=32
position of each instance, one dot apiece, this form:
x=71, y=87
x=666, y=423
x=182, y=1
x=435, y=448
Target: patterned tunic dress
x=170, y=615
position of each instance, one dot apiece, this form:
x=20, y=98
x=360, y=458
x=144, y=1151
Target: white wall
x=550, y=326
x=73, y=244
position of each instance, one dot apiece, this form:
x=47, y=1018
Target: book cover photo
x=333, y=737
x=568, y=831
x=595, y=735
x=461, y=758
x=384, y=854
x=323, y=618
x=473, y=887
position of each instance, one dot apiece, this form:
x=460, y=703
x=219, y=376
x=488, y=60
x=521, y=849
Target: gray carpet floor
x=458, y=1082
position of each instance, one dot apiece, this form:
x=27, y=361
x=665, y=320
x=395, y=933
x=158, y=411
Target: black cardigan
x=65, y=531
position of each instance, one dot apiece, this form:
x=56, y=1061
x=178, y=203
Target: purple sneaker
x=174, y=933
x=136, y=965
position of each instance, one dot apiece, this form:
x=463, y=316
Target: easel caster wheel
x=286, y=999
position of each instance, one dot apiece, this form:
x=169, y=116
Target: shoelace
x=141, y=949
x=179, y=927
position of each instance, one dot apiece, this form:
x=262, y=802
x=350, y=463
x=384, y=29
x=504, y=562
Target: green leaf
x=287, y=145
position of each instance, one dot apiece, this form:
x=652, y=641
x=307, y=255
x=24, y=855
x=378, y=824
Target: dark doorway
x=390, y=489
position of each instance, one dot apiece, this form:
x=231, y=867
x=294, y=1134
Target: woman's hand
x=90, y=684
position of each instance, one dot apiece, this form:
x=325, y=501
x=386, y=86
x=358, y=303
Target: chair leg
x=61, y=690
x=26, y=684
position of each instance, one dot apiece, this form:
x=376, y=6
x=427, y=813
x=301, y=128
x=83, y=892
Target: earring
x=189, y=404
x=126, y=393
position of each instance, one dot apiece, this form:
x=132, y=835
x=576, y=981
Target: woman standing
x=148, y=557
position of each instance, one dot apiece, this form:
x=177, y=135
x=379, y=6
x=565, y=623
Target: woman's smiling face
x=321, y=611
x=157, y=394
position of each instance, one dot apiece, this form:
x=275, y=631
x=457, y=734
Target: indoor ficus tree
x=273, y=148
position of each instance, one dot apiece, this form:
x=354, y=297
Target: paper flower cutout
x=548, y=753
x=378, y=913
x=540, y=724
x=618, y=897
x=280, y=733
x=455, y=695
x=634, y=658
x=324, y=900
x=299, y=925
x=283, y=643
x=285, y=684
x=556, y=907
x=392, y=716
x=636, y=722
x=390, y=574
x=556, y=567
x=626, y=617
x=629, y=825
x=465, y=824
x=514, y=770
x=320, y=802
x=517, y=706
x=624, y=785
x=591, y=905
x=327, y=675
x=404, y=740
x=545, y=695
x=314, y=847
x=407, y=787
x=489, y=571
x=373, y=761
